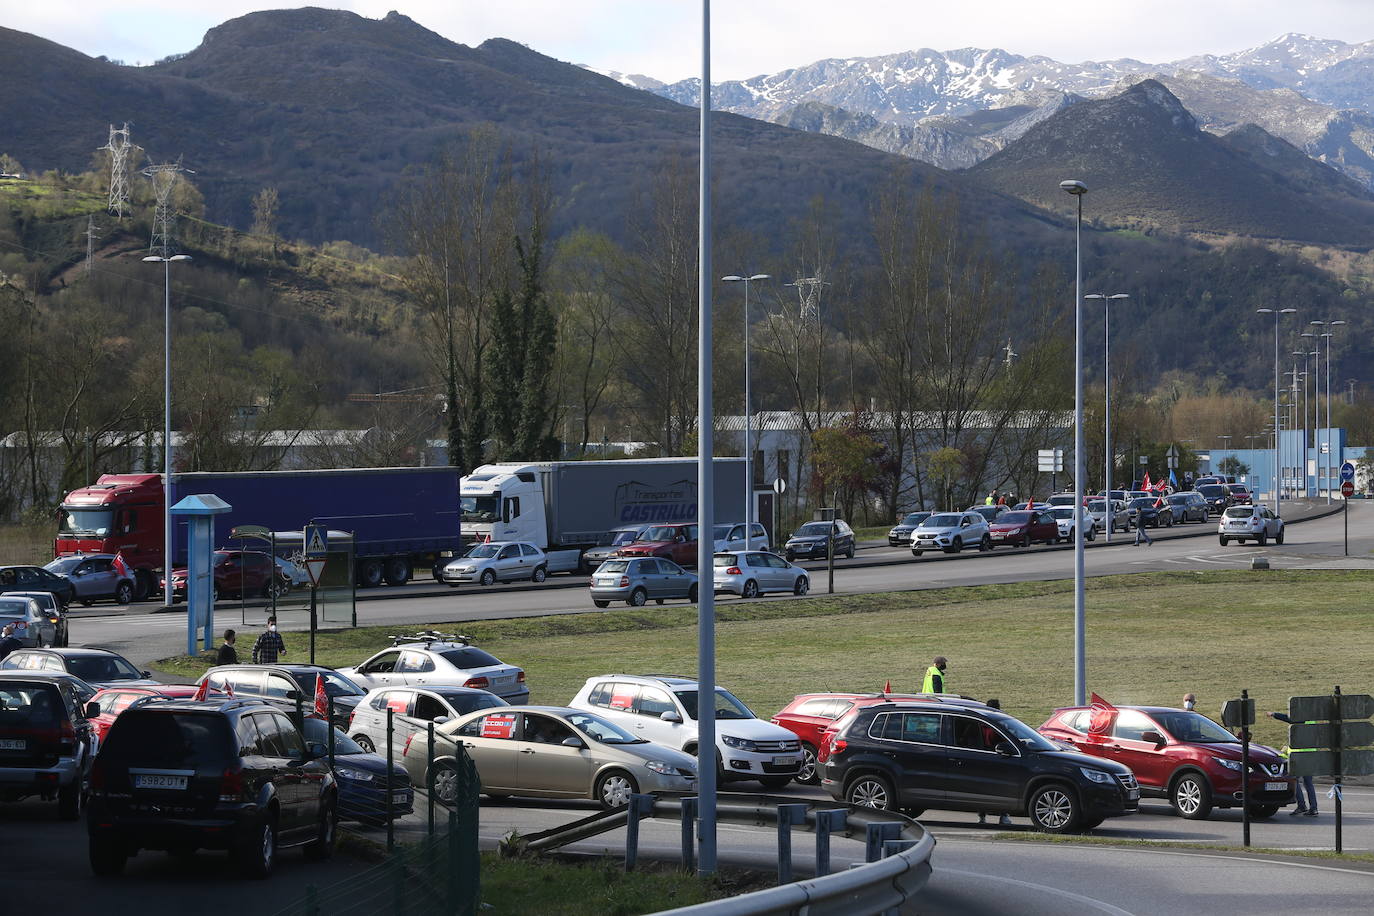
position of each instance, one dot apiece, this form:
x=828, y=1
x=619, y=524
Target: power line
x=119, y=146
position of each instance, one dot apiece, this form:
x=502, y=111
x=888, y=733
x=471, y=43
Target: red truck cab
x=119, y=514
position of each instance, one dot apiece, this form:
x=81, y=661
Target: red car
x=114, y=700
x=1021, y=528
x=1179, y=755
x=1240, y=494
x=672, y=542
x=241, y=573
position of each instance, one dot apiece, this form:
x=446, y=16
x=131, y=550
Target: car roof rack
x=430, y=636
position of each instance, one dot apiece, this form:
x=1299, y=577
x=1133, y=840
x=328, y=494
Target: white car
x=413, y=708
x=750, y=573
x=439, y=660
x=1063, y=515
x=951, y=532
x=497, y=561
x=1246, y=523
x=730, y=536
x=663, y=710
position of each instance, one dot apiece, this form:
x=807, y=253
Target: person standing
x=935, y=676
x=1004, y=820
x=269, y=647
x=228, y=655
x=992, y=499
x=1189, y=701
x=1309, y=807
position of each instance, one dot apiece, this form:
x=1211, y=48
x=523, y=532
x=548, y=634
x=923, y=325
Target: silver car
x=609, y=543
x=750, y=573
x=1097, y=508
x=549, y=752
x=96, y=576
x=730, y=536
x=437, y=658
x=413, y=708
x=636, y=580
x=1245, y=523
x=498, y=561
x=32, y=627
x=951, y=532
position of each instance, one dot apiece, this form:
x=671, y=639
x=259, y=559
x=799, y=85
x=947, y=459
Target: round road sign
x=780, y=486
x=1347, y=489
x=1347, y=470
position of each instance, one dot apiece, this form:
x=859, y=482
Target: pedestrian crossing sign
x=316, y=541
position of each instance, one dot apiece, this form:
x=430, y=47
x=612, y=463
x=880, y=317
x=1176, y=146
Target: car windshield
x=721, y=532
x=1097, y=505
x=1013, y=518
x=727, y=707
x=660, y=533
x=1193, y=727
x=335, y=684
x=815, y=530
x=480, y=508
x=468, y=657
x=1239, y=512
x=598, y=729
x=316, y=732
x=95, y=668
x=614, y=566
x=93, y=522
x=1212, y=490
x=1024, y=735
x=915, y=518
x=1239, y=489
x=483, y=551
x=941, y=521
x=64, y=565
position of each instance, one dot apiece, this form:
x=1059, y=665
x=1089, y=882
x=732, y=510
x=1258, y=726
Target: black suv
x=231, y=774
x=915, y=755
x=284, y=685
x=46, y=740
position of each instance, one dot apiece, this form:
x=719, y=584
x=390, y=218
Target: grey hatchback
x=635, y=580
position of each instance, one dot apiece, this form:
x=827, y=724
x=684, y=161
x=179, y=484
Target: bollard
x=787, y=816
x=827, y=822
x=877, y=835
x=639, y=806
x=454, y=887
x=429, y=768
x=689, y=816
x=390, y=816
x=398, y=887
x=312, y=900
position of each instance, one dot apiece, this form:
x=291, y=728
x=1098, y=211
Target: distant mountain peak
x=1152, y=92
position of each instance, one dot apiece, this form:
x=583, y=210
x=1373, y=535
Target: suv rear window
x=29, y=706
x=468, y=657
x=174, y=740
x=1239, y=512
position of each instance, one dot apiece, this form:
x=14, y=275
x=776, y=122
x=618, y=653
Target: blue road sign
x=1348, y=471
x=316, y=542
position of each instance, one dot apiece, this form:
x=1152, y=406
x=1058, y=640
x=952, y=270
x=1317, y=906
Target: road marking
x=1100, y=906
x=1252, y=860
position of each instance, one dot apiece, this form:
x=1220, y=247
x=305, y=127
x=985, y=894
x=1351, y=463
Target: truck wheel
x=397, y=571
x=370, y=573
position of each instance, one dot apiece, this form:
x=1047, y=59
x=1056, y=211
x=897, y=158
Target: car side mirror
x=92, y=710
x=1005, y=749
x=572, y=741
x=146, y=675
x=440, y=720
x=293, y=694
x=314, y=750
x=670, y=716
x=1153, y=736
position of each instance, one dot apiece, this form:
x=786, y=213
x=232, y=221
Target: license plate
x=158, y=781
x=784, y=761
x=13, y=744
x=399, y=798
x=606, y=580
x=1275, y=786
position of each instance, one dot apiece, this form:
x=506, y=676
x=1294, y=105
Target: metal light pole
x=1078, y=189
x=1277, y=427
x=167, y=556
x=748, y=447
x=1329, y=464
x=1107, y=388
x=1299, y=454
x=706, y=599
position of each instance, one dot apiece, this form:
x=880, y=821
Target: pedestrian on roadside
x=992, y=498
x=1308, y=807
x=8, y=641
x=935, y=676
x=1189, y=701
x=269, y=646
x=228, y=655
x=1140, y=534
x=1003, y=820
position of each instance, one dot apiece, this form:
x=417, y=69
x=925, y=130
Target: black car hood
x=1088, y=760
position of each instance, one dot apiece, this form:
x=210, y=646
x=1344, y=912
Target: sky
x=661, y=38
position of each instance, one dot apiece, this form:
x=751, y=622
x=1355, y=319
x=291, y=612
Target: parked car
x=750, y=573
x=86, y=692
x=47, y=741
x=284, y=685
x=1150, y=511
x=436, y=659
x=730, y=536
x=608, y=544
x=1028, y=505
x=114, y=700
x=97, y=667
x=1064, y=519
x=49, y=605
x=236, y=573
x=549, y=752
x=1240, y=494
x=1250, y=523
x=1218, y=497
x=413, y=708
x=363, y=778
x=951, y=532
x=497, y=561
x=669, y=542
x=95, y=576
x=664, y=710
x=1062, y=499
x=1200, y=482
x=1021, y=528
x=991, y=513
x=32, y=625
x=1097, y=508
x=636, y=580
x=914, y=755
x=1188, y=506
x=222, y=774
x=36, y=579
x=1180, y=755
x=812, y=541
x=900, y=535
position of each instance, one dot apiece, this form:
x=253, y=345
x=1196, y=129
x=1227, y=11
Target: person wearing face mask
x=269, y=647
x=1189, y=701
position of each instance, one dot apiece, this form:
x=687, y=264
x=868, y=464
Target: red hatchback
x=114, y=700
x=1020, y=528
x=1179, y=755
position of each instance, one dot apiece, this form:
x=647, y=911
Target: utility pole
x=91, y=236
x=119, y=147
x=164, y=178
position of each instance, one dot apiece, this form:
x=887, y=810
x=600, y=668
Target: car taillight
x=231, y=785
x=520, y=677
x=478, y=682
x=624, y=581
x=732, y=571
x=837, y=745
x=97, y=776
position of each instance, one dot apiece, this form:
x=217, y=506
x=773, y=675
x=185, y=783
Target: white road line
x=1100, y=906
x=1252, y=860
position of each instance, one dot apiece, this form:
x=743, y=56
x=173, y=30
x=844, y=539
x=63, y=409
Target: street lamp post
x=748, y=447
x=1299, y=453
x=1277, y=427
x=1107, y=388
x=1329, y=464
x=167, y=557
x=1078, y=189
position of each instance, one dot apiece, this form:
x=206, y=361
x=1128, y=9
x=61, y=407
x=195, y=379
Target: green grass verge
x=872, y=533
x=29, y=545
x=1151, y=638
x=1354, y=857
x=535, y=887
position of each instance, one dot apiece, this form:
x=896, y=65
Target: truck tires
x=145, y=583
x=397, y=571
x=370, y=573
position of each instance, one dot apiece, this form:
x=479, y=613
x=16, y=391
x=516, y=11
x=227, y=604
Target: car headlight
x=1097, y=775
x=743, y=744
x=354, y=775
x=1229, y=764
x=467, y=569
x=658, y=766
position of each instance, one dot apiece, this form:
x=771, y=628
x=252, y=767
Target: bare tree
x=586, y=314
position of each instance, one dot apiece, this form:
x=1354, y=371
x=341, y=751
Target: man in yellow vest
x=935, y=677
x=1304, y=782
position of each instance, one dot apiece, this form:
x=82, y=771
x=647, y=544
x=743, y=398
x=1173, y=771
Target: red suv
x=672, y=542
x=810, y=715
x=241, y=573
x=1179, y=755
x=114, y=700
x=1240, y=494
x=1021, y=527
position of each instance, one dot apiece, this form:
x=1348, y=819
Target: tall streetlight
x=1107, y=387
x=1277, y=427
x=1329, y=465
x=748, y=448
x=1299, y=456
x=167, y=556
x=1078, y=189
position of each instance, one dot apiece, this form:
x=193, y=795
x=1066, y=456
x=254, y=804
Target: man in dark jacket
x=269, y=647
x=8, y=641
x=228, y=655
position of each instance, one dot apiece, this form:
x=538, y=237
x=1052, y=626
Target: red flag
x=1101, y=722
x=321, y=698
x=1145, y=484
x=120, y=566
x=202, y=691
x=228, y=690
x=887, y=686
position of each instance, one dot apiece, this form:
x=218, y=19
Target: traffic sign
x=1050, y=460
x=1172, y=452
x=1236, y=713
x=1323, y=734
x=1347, y=489
x=780, y=486
x=316, y=541
x=1347, y=470
x=314, y=567
x=1323, y=763
x=1323, y=709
